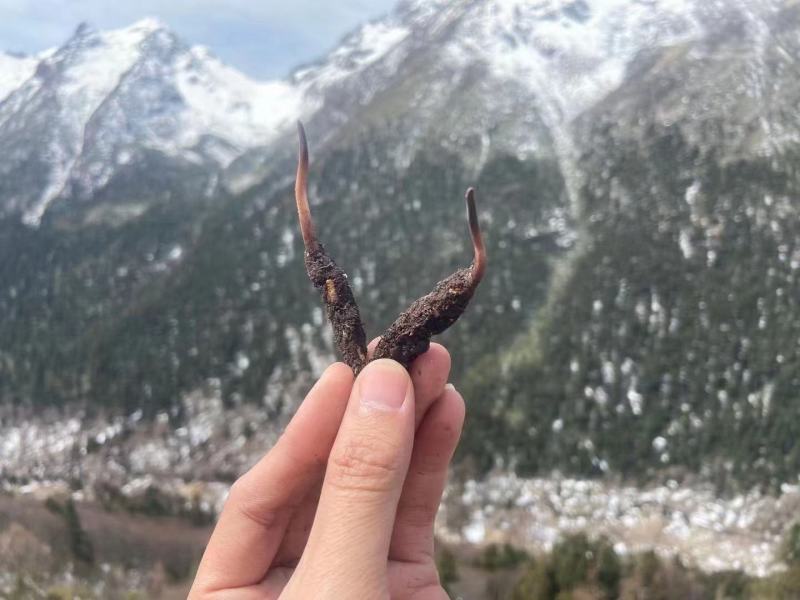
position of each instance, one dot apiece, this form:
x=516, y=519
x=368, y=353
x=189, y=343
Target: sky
x=263, y=38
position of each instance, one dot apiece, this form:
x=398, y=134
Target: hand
x=343, y=506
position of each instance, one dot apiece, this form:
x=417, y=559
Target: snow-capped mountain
x=574, y=51
x=485, y=76
x=109, y=104
x=140, y=105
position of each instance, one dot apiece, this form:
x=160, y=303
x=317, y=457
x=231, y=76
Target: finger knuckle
x=238, y=492
x=364, y=465
x=243, y=501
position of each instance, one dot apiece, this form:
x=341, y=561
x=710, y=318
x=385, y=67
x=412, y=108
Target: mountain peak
x=87, y=35
x=149, y=25
x=84, y=29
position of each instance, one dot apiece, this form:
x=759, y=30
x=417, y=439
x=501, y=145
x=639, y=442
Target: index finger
x=262, y=501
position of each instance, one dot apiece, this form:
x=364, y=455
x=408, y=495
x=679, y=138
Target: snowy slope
x=568, y=54
x=573, y=52
x=222, y=101
x=490, y=76
x=480, y=77
x=575, y=49
x=14, y=70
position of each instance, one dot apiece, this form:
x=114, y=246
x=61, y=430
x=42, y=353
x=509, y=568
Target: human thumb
x=349, y=540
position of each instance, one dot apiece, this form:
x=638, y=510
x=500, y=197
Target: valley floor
x=742, y=532
x=126, y=473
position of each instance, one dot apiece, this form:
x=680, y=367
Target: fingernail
x=384, y=385
x=450, y=387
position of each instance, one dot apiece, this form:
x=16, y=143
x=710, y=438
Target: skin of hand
x=343, y=506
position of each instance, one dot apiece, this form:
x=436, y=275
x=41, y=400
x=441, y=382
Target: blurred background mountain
x=637, y=171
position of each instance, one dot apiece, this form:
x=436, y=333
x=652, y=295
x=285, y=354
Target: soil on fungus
x=410, y=335
x=341, y=307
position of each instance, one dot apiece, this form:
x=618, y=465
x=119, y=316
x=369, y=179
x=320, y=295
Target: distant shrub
x=537, y=583
x=447, y=567
x=54, y=506
x=781, y=586
x=791, y=545
x=79, y=541
x=576, y=568
x=69, y=592
x=496, y=557
x=609, y=569
x=571, y=558
x=730, y=585
x=647, y=567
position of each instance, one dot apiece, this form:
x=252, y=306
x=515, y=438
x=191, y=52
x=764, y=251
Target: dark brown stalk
x=325, y=274
x=410, y=335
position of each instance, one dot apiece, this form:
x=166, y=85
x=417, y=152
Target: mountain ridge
x=258, y=114
x=107, y=96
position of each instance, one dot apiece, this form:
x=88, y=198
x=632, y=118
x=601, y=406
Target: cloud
x=265, y=38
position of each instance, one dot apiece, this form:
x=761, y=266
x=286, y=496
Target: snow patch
x=222, y=101
x=364, y=48
x=712, y=533
x=14, y=71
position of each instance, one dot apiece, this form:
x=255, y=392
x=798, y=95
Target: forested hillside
x=673, y=340
x=638, y=196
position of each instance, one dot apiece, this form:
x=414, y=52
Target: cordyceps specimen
x=410, y=335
